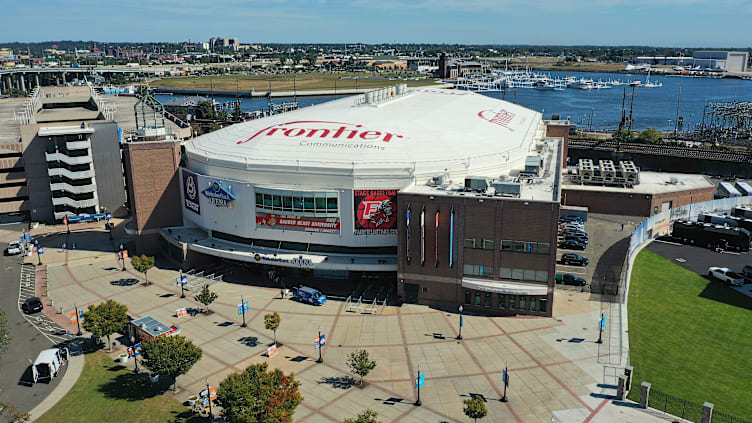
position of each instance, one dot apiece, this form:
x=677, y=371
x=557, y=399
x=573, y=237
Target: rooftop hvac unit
x=369, y=97
x=436, y=181
x=476, y=183
x=629, y=172
x=608, y=171
x=533, y=164
x=585, y=169
x=507, y=189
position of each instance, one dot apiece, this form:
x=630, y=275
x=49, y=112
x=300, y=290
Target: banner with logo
x=375, y=211
x=190, y=191
x=297, y=223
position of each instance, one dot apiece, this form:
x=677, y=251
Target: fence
x=669, y=404
x=721, y=417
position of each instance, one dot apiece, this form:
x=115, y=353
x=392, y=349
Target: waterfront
x=653, y=107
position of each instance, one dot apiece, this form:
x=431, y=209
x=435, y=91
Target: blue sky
x=685, y=23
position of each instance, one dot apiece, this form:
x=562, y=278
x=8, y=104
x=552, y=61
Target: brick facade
x=632, y=204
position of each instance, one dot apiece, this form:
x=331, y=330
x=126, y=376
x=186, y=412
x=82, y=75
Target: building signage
x=219, y=195
x=375, y=212
x=326, y=134
x=190, y=192
x=298, y=261
x=297, y=223
x=502, y=117
x=407, y=235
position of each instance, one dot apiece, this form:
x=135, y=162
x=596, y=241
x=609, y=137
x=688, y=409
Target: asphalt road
x=698, y=259
x=27, y=341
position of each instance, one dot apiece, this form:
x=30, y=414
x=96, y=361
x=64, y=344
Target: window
x=478, y=270
x=532, y=304
x=467, y=297
x=479, y=243
x=301, y=203
x=502, y=300
x=541, y=276
x=511, y=301
x=517, y=274
x=487, y=299
x=522, y=302
x=477, y=298
x=525, y=246
x=523, y=274
x=543, y=305
x=505, y=273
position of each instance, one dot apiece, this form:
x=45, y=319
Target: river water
x=653, y=107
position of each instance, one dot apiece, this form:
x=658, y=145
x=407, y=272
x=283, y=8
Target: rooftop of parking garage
x=650, y=183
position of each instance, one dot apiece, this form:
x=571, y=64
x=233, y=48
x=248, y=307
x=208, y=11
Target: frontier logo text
x=317, y=133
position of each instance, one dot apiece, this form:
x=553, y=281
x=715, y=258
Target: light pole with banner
x=78, y=320
x=505, y=379
x=40, y=251
x=419, y=382
x=135, y=355
x=601, y=325
x=242, y=308
x=459, y=336
x=319, y=343
x=182, y=280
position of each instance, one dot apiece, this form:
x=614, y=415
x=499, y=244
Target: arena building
x=452, y=195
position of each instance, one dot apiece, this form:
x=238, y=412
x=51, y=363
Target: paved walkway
x=553, y=361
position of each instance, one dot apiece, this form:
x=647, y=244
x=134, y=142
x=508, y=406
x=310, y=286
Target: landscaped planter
x=153, y=378
x=123, y=357
x=192, y=400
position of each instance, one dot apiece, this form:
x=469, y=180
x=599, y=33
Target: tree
x=368, y=416
x=360, y=364
x=4, y=332
x=259, y=396
x=143, y=264
x=271, y=322
x=170, y=356
x=206, y=297
x=106, y=318
x=475, y=408
x=648, y=136
x=205, y=110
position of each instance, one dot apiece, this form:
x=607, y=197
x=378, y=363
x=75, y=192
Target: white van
x=48, y=363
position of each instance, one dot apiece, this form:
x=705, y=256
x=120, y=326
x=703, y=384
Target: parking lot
x=606, y=250
x=699, y=259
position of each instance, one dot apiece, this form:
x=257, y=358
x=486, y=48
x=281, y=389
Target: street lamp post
x=78, y=320
x=459, y=336
x=182, y=289
x=321, y=359
x=506, y=382
x=417, y=385
x=208, y=395
x=242, y=307
x=135, y=357
x=600, y=330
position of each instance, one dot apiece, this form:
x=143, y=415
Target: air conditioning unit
x=608, y=171
x=585, y=169
x=629, y=172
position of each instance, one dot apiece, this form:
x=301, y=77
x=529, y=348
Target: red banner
x=375, y=211
x=295, y=223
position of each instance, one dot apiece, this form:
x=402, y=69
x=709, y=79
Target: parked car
x=576, y=259
x=578, y=238
x=32, y=305
x=14, y=248
x=724, y=274
x=570, y=279
x=570, y=219
x=747, y=272
x=48, y=363
x=309, y=295
x=572, y=245
x=571, y=228
x=574, y=232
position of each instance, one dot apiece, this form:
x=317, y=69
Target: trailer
x=727, y=190
x=745, y=212
x=48, y=363
x=744, y=188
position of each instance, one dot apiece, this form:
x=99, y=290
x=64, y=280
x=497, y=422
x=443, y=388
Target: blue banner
x=602, y=323
x=322, y=340
x=461, y=322
x=420, y=381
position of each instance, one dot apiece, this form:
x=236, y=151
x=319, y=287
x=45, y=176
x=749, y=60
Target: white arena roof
x=423, y=132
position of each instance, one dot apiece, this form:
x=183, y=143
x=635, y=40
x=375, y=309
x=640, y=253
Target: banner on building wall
x=407, y=235
x=190, y=192
x=423, y=235
x=436, y=248
x=451, y=238
x=375, y=211
x=329, y=225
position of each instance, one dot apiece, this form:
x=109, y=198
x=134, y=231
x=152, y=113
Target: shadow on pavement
x=133, y=387
x=338, y=382
x=608, y=269
x=718, y=291
x=249, y=341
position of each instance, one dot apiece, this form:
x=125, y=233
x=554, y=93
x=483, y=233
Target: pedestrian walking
x=622, y=227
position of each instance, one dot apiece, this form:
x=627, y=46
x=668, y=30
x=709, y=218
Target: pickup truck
x=724, y=274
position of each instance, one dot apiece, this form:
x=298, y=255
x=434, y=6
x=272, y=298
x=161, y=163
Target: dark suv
x=572, y=245
x=570, y=279
x=575, y=259
x=32, y=305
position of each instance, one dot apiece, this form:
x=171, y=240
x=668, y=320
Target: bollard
x=628, y=372
x=707, y=412
x=621, y=388
x=644, y=394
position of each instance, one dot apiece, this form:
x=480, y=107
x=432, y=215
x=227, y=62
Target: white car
x=14, y=248
x=724, y=274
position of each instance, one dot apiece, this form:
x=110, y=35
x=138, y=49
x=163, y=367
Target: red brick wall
x=153, y=186
x=560, y=131
x=631, y=204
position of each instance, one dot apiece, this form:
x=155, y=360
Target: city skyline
x=676, y=23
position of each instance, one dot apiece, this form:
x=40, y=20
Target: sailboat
x=649, y=84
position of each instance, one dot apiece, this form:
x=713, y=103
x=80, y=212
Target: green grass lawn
x=108, y=392
x=689, y=337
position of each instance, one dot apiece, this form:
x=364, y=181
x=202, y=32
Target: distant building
x=222, y=43
x=454, y=68
x=725, y=61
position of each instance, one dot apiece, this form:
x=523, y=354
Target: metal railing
x=675, y=406
x=721, y=417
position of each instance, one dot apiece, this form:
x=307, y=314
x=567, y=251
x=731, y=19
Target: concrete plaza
x=554, y=362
